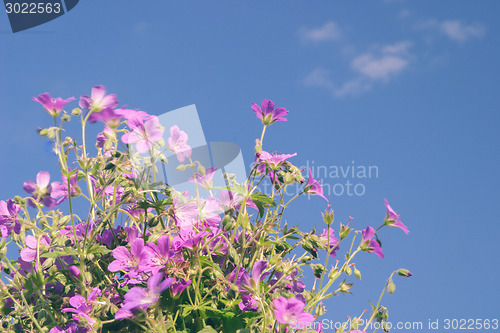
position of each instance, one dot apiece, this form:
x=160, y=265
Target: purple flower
x=98, y=100
x=291, y=312
x=252, y=282
x=177, y=142
x=268, y=114
x=52, y=105
x=143, y=134
x=392, y=217
x=9, y=212
x=29, y=253
x=185, y=213
x=273, y=161
x=205, y=180
x=108, y=116
x=192, y=240
x=82, y=308
x=41, y=191
x=60, y=190
x=328, y=237
x=369, y=244
x=130, y=114
x=155, y=257
x=210, y=209
x=126, y=260
x=313, y=186
x=179, y=286
x=142, y=298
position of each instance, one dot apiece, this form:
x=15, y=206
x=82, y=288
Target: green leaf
x=207, y=329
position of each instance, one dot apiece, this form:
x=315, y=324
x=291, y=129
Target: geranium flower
x=42, y=190
x=126, y=260
x=328, y=237
x=9, y=212
x=179, y=286
x=82, y=308
x=29, y=253
x=177, y=142
x=290, y=311
x=154, y=257
x=392, y=217
x=53, y=106
x=60, y=190
x=142, y=298
x=268, y=114
x=369, y=244
x=204, y=181
x=313, y=186
x=273, y=161
x=143, y=134
x=98, y=100
x=185, y=213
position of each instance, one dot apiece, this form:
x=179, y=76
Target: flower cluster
x=136, y=255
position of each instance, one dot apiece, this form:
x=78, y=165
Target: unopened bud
x=404, y=272
x=306, y=259
x=344, y=287
x=65, y=118
x=391, y=287
x=344, y=231
x=328, y=216
x=76, y=112
x=357, y=273
x=318, y=270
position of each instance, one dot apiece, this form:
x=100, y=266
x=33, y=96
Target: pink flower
x=53, y=106
x=9, y=212
x=205, y=181
x=273, y=161
x=98, y=99
x=392, y=217
x=291, y=312
x=314, y=187
x=178, y=143
x=41, y=191
x=369, y=244
x=268, y=114
x=143, y=134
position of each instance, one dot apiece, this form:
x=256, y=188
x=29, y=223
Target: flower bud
x=332, y=273
x=318, y=270
x=74, y=271
x=357, y=273
x=328, y=216
x=43, y=132
x=65, y=118
x=344, y=287
x=344, y=231
x=76, y=112
x=306, y=259
x=258, y=147
x=391, y=287
x=404, y=272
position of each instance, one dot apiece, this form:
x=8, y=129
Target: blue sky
x=411, y=88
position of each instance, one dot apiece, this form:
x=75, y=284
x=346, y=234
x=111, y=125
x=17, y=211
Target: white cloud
x=453, y=29
x=461, y=32
x=380, y=64
x=328, y=32
x=378, y=68
x=384, y=63
x=320, y=78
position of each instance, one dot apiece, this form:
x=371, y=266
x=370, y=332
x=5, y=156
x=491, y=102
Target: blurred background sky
x=411, y=88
